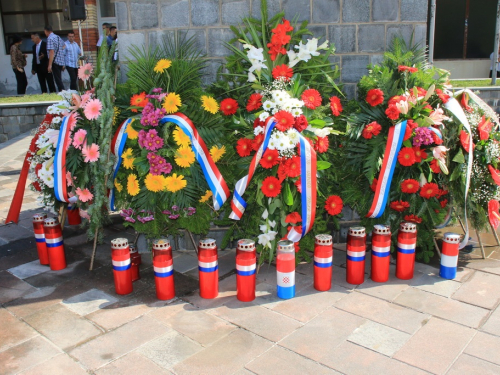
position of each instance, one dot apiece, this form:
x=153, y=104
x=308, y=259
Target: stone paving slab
x=482, y=289
x=434, y=284
x=29, y=269
x=61, y=364
x=88, y=302
x=132, y=364
x=388, y=290
x=13, y=331
x=466, y=364
x=485, y=346
x=492, y=325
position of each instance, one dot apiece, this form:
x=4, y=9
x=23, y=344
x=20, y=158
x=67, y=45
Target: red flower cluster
x=466, y=141
x=254, y=102
x=300, y=123
x=270, y=158
x=293, y=218
x=244, y=147
x=334, y=205
x=404, y=68
x=284, y=120
x=399, y=206
x=292, y=167
x=435, y=166
x=419, y=154
x=321, y=145
x=413, y=219
x=335, y=105
x=429, y=190
x=484, y=128
x=257, y=141
x=138, y=100
x=279, y=39
x=271, y=187
x=410, y=125
x=228, y=106
x=370, y=130
x=375, y=97
x=409, y=186
x=465, y=102
x=373, y=186
x=495, y=174
x=406, y=156
x=392, y=112
x=441, y=95
x=311, y=98
x=282, y=71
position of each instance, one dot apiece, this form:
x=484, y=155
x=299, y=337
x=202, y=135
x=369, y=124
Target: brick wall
x=360, y=29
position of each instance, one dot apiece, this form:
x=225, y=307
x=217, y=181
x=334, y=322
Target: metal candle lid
x=39, y=218
x=408, y=227
x=357, y=231
x=207, y=243
x=246, y=245
x=286, y=245
x=161, y=244
x=51, y=222
x=381, y=229
x=132, y=248
x=323, y=239
x=119, y=243
x=451, y=237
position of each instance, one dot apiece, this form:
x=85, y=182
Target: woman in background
x=18, y=62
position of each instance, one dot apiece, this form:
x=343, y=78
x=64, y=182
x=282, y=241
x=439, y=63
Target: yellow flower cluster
x=133, y=185
x=209, y=104
x=131, y=132
x=180, y=137
x=154, y=183
x=175, y=183
x=128, y=159
x=184, y=157
x=172, y=102
x=206, y=197
x=216, y=153
x=162, y=65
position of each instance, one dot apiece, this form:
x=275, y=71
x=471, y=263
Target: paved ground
x=72, y=322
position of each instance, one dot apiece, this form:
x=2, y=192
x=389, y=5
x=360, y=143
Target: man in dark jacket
x=40, y=63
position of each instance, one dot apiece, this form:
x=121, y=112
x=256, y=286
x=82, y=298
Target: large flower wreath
x=281, y=97
x=398, y=168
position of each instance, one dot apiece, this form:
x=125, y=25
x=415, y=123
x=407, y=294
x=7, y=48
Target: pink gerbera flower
x=93, y=109
x=91, y=153
x=69, y=179
x=85, y=71
x=79, y=138
x=84, y=195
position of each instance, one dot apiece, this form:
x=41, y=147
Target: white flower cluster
x=59, y=108
x=267, y=235
x=284, y=142
x=305, y=51
x=492, y=151
x=256, y=58
x=278, y=100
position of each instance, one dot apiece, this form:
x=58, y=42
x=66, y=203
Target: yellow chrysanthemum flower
x=175, y=183
x=180, y=137
x=184, y=157
x=154, y=183
x=118, y=186
x=162, y=65
x=209, y=104
x=172, y=102
x=206, y=197
x=128, y=159
x=132, y=185
x=116, y=113
x=131, y=132
x=216, y=153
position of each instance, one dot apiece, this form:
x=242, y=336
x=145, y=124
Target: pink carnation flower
x=85, y=72
x=91, y=153
x=84, y=195
x=93, y=109
x=79, y=138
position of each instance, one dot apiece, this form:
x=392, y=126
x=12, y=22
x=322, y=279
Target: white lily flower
x=272, y=224
x=265, y=214
x=258, y=130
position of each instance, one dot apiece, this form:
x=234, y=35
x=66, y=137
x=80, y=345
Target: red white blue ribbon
x=308, y=183
x=63, y=142
x=394, y=142
x=213, y=177
x=117, y=146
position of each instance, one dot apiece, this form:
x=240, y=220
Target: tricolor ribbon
x=117, y=146
x=63, y=142
x=214, y=178
x=394, y=142
x=454, y=107
x=308, y=183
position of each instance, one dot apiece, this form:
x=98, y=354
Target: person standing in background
x=492, y=65
x=18, y=62
x=105, y=32
x=73, y=52
x=55, y=48
x=112, y=36
x=40, y=63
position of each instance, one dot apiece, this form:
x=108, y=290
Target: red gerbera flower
x=441, y=193
x=284, y=120
x=410, y=125
x=311, y=98
x=293, y=218
x=257, y=141
x=409, y=186
x=271, y=187
x=335, y=105
x=254, y=102
x=138, y=100
x=443, y=203
x=270, y=158
x=495, y=174
x=396, y=99
x=293, y=166
x=406, y=156
x=392, y=112
x=300, y=123
x=373, y=186
x=375, y=97
x=229, y=106
x=244, y=147
x=399, y=206
x=435, y=166
x=429, y=190
x=334, y=205
x=421, y=91
x=413, y=219
x=466, y=141
x=298, y=185
x=404, y=68
x=441, y=95
x=321, y=144
x=484, y=128
x=372, y=129
x=436, y=139
x=419, y=154
x=283, y=71
x=282, y=170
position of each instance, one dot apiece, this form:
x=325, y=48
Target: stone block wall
x=360, y=29
x=16, y=119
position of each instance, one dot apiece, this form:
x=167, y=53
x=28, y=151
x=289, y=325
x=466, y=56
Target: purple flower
x=127, y=212
x=174, y=217
x=151, y=115
x=423, y=136
x=145, y=219
x=157, y=90
x=166, y=212
x=130, y=220
x=175, y=208
x=150, y=140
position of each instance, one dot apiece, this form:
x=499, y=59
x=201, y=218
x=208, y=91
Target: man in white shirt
x=105, y=33
x=72, y=53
